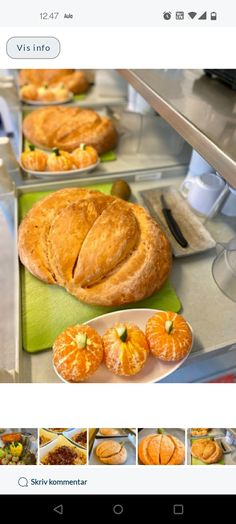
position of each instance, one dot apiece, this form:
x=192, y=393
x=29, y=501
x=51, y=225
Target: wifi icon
x=192, y=14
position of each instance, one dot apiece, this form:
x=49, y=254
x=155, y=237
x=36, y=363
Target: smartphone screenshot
x=118, y=259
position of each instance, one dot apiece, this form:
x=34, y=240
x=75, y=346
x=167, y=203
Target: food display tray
x=130, y=444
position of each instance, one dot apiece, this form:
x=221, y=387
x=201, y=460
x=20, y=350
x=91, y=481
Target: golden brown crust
x=195, y=432
x=206, y=450
x=75, y=81
x=68, y=127
x=111, y=452
x=109, y=432
x=162, y=450
x=103, y=250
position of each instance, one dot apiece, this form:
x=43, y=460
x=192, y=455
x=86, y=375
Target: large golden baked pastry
x=161, y=450
x=207, y=451
x=111, y=452
x=68, y=127
x=101, y=249
x=74, y=81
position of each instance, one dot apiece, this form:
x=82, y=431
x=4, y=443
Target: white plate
x=154, y=369
x=60, y=174
x=45, y=103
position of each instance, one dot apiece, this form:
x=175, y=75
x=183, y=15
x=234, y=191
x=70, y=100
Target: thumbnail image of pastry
x=161, y=447
x=68, y=447
x=218, y=447
x=18, y=447
x=114, y=447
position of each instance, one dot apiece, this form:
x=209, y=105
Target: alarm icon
x=167, y=15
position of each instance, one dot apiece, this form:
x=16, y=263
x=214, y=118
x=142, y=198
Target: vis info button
x=20, y=47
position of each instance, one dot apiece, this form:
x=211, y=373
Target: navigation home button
x=34, y=47
x=118, y=509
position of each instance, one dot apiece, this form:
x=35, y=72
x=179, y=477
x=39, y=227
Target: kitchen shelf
x=201, y=109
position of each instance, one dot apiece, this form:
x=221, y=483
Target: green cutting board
x=197, y=462
x=47, y=310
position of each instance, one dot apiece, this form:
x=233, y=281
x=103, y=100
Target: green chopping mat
x=197, y=462
x=47, y=310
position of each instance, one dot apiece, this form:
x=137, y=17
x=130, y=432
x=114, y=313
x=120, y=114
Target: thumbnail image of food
x=18, y=447
x=211, y=446
x=161, y=447
x=112, y=446
x=63, y=447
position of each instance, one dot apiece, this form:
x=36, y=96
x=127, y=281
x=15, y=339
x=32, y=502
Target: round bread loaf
x=109, y=432
x=111, y=452
x=103, y=250
x=161, y=450
x=206, y=450
x=68, y=127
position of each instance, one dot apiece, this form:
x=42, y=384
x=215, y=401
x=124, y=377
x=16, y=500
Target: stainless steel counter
x=202, y=110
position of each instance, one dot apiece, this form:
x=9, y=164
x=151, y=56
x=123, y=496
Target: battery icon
x=213, y=15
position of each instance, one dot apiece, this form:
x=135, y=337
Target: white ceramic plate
x=60, y=174
x=154, y=369
x=45, y=103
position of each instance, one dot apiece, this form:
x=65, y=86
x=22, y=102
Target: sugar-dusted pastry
x=103, y=250
x=84, y=156
x=169, y=336
x=77, y=353
x=161, y=450
x=45, y=94
x=206, y=450
x=125, y=349
x=111, y=452
x=68, y=127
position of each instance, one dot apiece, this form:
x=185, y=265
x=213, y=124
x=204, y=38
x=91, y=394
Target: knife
x=172, y=224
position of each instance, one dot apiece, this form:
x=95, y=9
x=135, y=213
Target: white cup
x=203, y=191
x=229, y=207
x=198, y=165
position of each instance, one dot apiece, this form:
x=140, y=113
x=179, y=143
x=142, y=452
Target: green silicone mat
x=47, y=310
x=197, y=462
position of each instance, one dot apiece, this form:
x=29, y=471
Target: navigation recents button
x=22, y=47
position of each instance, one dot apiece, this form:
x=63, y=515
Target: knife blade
x=172, y=224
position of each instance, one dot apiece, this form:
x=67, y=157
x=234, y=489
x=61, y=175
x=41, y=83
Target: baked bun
x=74, y=81
x=103, y=250
x=109, y=432
x=68, y=127
x=111, y=452
x=161, y=450
x=206, y=450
